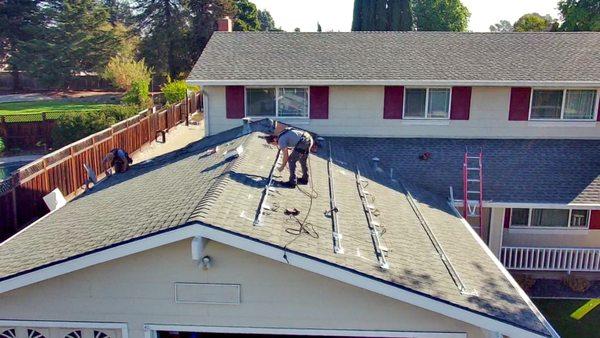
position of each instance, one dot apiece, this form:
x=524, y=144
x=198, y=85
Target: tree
x=119, y=11
x=533, y=22
x=580, y=15
x=503, y=26
x=319, y=29
x=297, y=30
x=74, y=37
x=441, y=15
x=123, y=71
x=18, y=22
x=382, y=15
x=246, y=18
x=266, y=21
x=163, y=25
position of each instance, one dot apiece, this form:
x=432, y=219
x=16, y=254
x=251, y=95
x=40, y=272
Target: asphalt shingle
x=449, y=56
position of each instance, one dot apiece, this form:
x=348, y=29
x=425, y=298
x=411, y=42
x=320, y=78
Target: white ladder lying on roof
x=473, y=187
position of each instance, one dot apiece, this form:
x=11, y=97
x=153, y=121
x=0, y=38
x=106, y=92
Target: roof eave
x=383, y=82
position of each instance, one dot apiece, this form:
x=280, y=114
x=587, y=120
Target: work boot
x=303, y=180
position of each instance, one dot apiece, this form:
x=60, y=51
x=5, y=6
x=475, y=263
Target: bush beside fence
x=21, y=194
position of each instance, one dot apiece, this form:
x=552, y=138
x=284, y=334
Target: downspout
x=206, y=115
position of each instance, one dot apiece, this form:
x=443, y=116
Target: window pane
x=546, y=104
x=260, y=102
x=550, y=218
x=579, y=104
x=439, y=103
x=579, y=218
x=293, y=102
x=415, y=103
x=519, y=217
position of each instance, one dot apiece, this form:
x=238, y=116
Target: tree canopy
x=382, y=15
x=580, y=15
x=441, y=15
x=503, y=26
x=534, y=22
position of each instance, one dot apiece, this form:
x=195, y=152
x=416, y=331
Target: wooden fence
x=21, y=194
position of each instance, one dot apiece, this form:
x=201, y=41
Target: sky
x=337, y=14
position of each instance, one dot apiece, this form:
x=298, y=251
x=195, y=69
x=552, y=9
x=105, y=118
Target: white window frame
x=562, y=108
x=426, y=104
x=277, y=88
x=568, y=226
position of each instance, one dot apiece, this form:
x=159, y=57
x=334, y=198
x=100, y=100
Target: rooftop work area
x=356, y=215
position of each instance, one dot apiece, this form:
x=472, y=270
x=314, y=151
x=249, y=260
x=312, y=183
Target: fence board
x=21, y=194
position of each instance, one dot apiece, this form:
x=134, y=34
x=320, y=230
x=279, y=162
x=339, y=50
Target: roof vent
x=246, y=126
x=234, y=153
x=376, y=166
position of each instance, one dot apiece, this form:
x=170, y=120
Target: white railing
x=551, y=259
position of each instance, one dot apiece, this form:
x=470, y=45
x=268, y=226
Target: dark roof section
x=449, y=56
x=514, y=170
x=192, y=185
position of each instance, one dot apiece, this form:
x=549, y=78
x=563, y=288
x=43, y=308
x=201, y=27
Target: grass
x=53, y=107
x=558, y=312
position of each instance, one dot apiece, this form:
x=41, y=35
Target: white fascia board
x=491, y=204
x=254, y=246
x=503, y=270
x=303, y=332
x=383, y=82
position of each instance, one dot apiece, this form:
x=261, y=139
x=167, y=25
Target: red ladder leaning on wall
x=473, y=187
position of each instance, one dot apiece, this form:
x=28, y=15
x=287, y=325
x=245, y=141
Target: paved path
x=21, y=158
x=23, y=97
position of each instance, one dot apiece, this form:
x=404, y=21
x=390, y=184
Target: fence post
x=73, y=169
x=14, y=206
x=46, y=177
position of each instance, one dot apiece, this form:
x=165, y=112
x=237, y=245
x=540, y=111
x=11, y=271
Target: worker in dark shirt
x=119, y=159
x=300, y=142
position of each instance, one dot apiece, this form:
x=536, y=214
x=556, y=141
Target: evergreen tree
x=164, y=29
x=246, y=18
x=319, y=29
x=74, y=37
x=120, y=11
x=382, y=15
x=357, y=15
x=266, y=21
x=19, y=23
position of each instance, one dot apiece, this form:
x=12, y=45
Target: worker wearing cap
x=300, y=142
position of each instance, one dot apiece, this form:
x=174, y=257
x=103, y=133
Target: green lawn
x=558, y=312
x=53, y=107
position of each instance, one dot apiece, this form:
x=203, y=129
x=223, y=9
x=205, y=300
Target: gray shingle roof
x=449, y=56
x=514, y=170
x=192, y=186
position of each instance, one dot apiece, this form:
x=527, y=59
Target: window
x=565, y=104
x=549, y=218
x=427, y=103
x=277, y=102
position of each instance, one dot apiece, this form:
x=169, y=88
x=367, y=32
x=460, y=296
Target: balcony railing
x=551, y=259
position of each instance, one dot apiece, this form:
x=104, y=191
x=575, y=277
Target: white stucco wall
x=139, y=289
x=358, y=111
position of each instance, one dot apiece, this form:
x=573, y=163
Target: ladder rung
x=472, y=180
x=477, y=157
x=473, y=202
x=472, y=168
x=472, y=192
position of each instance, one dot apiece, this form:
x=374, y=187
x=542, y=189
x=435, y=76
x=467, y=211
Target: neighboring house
x=198, y=242
x=527, y=101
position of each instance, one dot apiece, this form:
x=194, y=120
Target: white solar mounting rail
x=438, y=246
x=371, y=222
x=265, y=194
x=337, y=236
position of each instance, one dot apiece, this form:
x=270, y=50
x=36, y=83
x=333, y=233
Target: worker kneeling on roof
x=300, y=142
x=119, y=159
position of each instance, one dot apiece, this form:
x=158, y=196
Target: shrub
x=138, y=94
x=75, y=126
x=577, y=284
x=2, y=145
x=124, y=71
x=525, y=281
x=176, y=91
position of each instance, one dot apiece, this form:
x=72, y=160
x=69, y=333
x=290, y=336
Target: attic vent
x=205, y=293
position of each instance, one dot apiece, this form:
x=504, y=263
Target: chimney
x=224, y=25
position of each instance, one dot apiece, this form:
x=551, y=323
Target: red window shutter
x=595, y=220
x=519, y=104
x=393, y=102
x=319, y=102
x=506, y=218
x=461, y=103
x=235, y=102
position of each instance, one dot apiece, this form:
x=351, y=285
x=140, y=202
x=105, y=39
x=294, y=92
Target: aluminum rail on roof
x=437, y=245
x=369, y=214
x=337, y=236
x=265, y=194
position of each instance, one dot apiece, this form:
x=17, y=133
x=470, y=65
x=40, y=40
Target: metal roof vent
x=376, y=165
x=246, y=129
